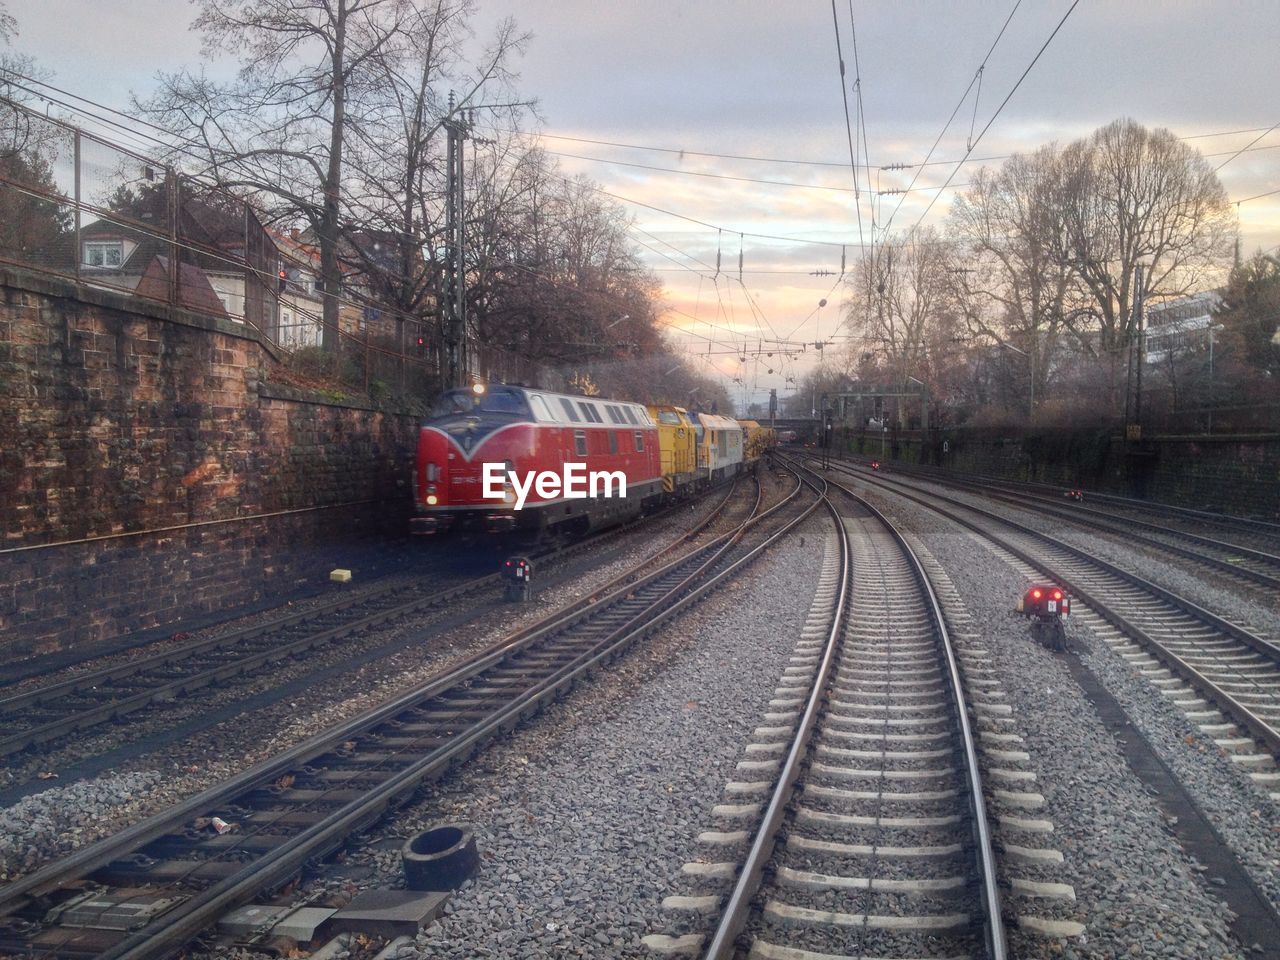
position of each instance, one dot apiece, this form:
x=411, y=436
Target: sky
x=749, y=78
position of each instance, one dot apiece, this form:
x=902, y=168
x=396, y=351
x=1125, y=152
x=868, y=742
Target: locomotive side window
x=540, y=409
x=613, y=441
x=614, y=414
x=589, y=412
x=639, y=442
x=580, y=442
x=568, y=408
x=630, y=415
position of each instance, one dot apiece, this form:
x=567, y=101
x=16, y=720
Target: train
x=501, y=458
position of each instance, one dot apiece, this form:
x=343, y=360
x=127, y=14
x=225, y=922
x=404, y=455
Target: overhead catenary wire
x=959, y=104
x=796, y=161
x=168, y=144
x=1003, y=103
x=848, y=123
x=1246, y=146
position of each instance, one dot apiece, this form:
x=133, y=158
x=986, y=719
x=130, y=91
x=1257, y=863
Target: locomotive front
x=466, y=430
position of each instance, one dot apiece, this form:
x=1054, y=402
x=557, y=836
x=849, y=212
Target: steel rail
x=189, y=919
x=100, y=853
x=1053, y=492
x=1267, y=734
x=984, y=847
x=738, y=907
x=84, y=719
x=192, y=916
x=1124, y=526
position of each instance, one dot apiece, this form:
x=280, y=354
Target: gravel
x=179, y=770
x=1136, y=892
x=585, y=816
x=59, y=819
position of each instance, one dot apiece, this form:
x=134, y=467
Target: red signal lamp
x=1044, y=602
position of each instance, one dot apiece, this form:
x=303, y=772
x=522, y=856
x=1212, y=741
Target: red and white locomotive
x=524, y=433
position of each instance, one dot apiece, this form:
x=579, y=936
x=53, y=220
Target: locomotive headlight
x=432, y=500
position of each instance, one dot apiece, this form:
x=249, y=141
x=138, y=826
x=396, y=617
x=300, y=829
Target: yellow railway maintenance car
x=677, y=445
x=719, y=446
x=757, y=440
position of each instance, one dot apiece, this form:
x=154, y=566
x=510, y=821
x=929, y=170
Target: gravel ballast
x=177, y=771
x=1136, y=891
x=585, y=816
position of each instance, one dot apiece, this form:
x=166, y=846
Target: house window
x=580, y=442
x=104, y=254
x=639, y=442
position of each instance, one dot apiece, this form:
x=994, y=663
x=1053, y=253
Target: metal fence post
x=79, y=254
x=175, y=264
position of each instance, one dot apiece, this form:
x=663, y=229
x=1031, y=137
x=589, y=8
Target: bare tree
x=397, y=155
x=898, y=299
x=1141, y=196
x=280, y=130
x=554, y=274
x=1015, y=285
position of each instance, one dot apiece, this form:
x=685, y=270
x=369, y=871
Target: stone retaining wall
x=150, y=472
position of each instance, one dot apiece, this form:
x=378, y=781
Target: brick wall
x=149, y=471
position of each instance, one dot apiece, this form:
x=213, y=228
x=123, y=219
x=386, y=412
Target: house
x=301, y=322
x=1175, y=326
x=211, y=246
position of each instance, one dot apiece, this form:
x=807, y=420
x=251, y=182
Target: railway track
x=1230, y=533
x=1225, y=678
x=871, y=836
x=1234, y=560
x=46, y=713
x=147, y=891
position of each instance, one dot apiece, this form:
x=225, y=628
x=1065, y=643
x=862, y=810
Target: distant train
x=495, y=458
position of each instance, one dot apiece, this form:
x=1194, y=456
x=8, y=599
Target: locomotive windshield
x=494, y=400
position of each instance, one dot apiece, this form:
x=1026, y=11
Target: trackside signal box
x=1044, y=602
x=518, y=574
x=1046, y=606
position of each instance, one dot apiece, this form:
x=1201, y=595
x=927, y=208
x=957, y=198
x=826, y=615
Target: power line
x=862, y=125
x=848, y=124
x=1245, y=147
x=959, y=104
x=697, y=173
x=1257, y=196
x=835, y=164
x=1008, y=97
